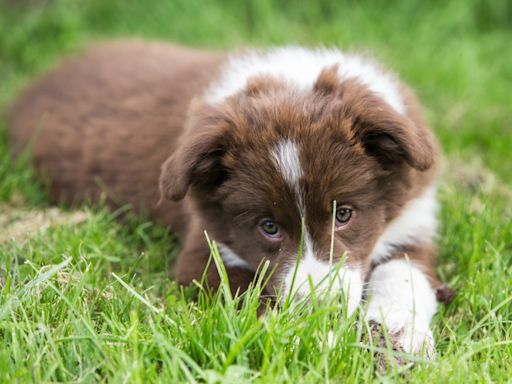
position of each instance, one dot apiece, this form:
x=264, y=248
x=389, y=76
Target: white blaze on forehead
x=347, y=280
x=416, y=224
x=286, y=156
x=300, y=68
x=287, y=160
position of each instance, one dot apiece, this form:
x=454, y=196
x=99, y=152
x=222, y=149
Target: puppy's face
x=300, y=178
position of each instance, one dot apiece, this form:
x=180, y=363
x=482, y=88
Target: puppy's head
x=266, y=167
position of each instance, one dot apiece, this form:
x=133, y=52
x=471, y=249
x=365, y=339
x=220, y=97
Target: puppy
x=264, y=151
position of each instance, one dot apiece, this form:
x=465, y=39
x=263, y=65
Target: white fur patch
x=400, y=296
x=286, y=155
x=230, y=258
x=300, y=68
x=416, y=223
x=345, y=279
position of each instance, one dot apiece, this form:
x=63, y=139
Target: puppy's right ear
x=198, y=158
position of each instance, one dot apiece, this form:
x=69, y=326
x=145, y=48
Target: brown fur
x=107, y=121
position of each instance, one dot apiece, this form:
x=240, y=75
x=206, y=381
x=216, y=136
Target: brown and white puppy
x=254, y=149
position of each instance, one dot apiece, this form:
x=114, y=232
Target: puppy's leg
x=195, y=258
x=401, y=296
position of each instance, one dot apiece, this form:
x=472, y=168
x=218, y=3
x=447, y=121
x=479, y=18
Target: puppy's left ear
x=393, y=138
x=198, y=157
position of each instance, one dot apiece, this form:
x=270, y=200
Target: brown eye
x=269, y=228
x=343, y=215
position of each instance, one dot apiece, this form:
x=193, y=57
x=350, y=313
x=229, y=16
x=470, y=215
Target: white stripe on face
x=286, y=155
x=349, y=280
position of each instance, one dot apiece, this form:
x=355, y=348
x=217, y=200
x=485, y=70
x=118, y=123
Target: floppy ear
x=393, y=138
x=198, y=157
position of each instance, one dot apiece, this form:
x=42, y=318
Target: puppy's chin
x=321, y=281
x=309, y=278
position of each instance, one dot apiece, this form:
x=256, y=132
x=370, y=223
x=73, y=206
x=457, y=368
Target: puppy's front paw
x=411, y=337
x=415, y=338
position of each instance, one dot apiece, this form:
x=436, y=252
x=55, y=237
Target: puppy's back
x=105, y=121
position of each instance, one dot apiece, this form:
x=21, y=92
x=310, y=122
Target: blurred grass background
x=457, y=55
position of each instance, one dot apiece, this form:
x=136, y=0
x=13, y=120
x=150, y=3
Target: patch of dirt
x=19, y=223
x=385, y=361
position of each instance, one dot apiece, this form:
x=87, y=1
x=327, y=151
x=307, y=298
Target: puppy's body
x=269, y=141
x=105, y=123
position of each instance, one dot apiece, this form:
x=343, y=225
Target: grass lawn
x=90, y=301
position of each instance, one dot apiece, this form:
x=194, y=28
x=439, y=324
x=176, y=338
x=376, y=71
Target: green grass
x=92, y=302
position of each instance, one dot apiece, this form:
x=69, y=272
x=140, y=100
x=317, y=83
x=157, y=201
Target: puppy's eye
x=269, y=228
x=343, y=215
